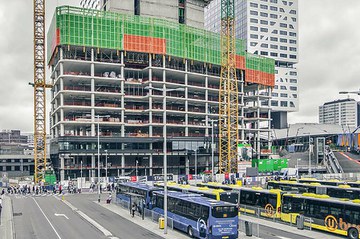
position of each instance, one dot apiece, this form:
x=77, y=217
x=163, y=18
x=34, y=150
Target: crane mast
x=228, y=92
x=39, y=91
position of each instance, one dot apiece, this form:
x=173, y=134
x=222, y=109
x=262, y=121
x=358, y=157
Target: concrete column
x=92, y=166
x=122, y=90
x=186, y=100
x=187, y=165
x=150, y=101
x=62, y=166
x=206, y=106
x=122, y=165
x=151, y=165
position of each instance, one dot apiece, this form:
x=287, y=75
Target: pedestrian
x=0, y=206
x=2, y=192
x=133, y=209
x=108, y=200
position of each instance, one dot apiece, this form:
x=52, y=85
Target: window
x=273, y=8
x=293, y=88
x=263, y=6
x=264, y=14
x=276, y=87
x=284, y=2
x=253, y=20
x=283, y=55
x=293, y=19
x=283, y=40
x=253, y=43
x=274, y=94
x=292, y=49
x=264, y=22
x=136, y=7
x=291, y=3
x=273, y=46
x=293, y=34
x=252, y=28
x=293, y=56
x=283, y=87
x=282, y=10
x=273, y=54
x=293, y=73
x=294, y=95
x=274, y=1
x=264, y=29
x=274, y=103
x=181, y=15
x=284, y=48
x=254, y=36
x=283, y=103
x=293, y=80
x=292, y=41
x=283, y=25
x=283, y=95
x=272, y=23
x=255, y=13
x=273, y=39
x=264, y=53
x=274, y=16
x=291, y=26
x=264, y=45
x=275, y=32
x=292, y=12
x=252, y=4
x=284, y=33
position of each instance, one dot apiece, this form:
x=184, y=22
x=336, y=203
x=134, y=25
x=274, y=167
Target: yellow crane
x=228, y=94
x=40, y=86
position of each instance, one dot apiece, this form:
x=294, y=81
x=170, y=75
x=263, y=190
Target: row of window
x=274, y=54
x=284, y=33
x=272, y=23
x=282, y=87
x=273, y=8
x=284, y=48
x=264, y=14
x=282, y=103
x=284, y=95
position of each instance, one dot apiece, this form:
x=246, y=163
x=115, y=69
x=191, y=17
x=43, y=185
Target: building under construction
x=115, y=73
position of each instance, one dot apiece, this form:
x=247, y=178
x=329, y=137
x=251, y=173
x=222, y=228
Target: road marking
x=348, y=157
x=47, y=219
x=61, y=215
x=283, y=237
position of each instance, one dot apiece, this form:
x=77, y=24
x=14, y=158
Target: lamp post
x=212, y=121
x=106, y=169
x=164, y=91
x=195, y=166
x=309, y=135
x=98, y=138
x=136, y=169
x=81, y=164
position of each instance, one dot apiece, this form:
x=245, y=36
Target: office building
x=345, y=112
x=270, y=28
x=117, y=74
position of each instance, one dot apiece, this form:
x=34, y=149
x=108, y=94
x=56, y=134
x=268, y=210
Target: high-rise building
x=117, y=77
x=270, y=28
x=92, y=4
x=344, y=112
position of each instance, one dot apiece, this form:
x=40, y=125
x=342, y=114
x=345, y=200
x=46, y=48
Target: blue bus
x=199, y=216
x=136, y=191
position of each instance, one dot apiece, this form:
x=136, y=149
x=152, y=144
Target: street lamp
x=81, y=164
x=212, y=121
x=309, y=151
x=106, y=170
x=164, y=91
x=98, y=139
x=136, y=169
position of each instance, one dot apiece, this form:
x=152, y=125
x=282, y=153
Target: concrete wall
x=169, y=9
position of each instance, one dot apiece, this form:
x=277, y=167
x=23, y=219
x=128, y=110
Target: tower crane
x=40, y=86
x=228, y=92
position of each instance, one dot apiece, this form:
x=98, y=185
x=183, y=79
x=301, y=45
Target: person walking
x=133, y=209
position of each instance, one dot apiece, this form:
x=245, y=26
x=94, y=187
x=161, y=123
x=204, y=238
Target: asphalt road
x=34, y=217
x=348, y=165
x=120, y=227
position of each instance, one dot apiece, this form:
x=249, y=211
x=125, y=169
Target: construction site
x=120, y=82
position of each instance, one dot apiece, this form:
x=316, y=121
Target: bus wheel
x=353, y=233
x=190, y=232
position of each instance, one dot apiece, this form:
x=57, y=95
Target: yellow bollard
x=62, y=198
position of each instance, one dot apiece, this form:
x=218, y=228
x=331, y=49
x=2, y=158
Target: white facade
x=93, y=4
x=340, y=112
x=270, y=28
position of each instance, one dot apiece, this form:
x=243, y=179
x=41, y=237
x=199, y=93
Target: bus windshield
x=230, y=197
x=224, y=211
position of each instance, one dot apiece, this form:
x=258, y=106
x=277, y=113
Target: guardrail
x=331, y=162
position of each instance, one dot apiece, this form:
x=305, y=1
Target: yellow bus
x=263, y=202
x=331, y=182
x=338, y=216
x=217, y=194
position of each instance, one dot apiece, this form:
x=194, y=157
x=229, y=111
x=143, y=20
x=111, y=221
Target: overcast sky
x=329, y=57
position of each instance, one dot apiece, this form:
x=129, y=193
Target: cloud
x=329, y=49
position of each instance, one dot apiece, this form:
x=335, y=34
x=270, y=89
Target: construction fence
x=109, y=30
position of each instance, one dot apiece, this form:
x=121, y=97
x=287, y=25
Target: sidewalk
x=150, y=225
x=7, y=220
x=287, y=228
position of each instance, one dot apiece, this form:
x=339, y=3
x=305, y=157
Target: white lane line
x=61, y=215
x=47, y=219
